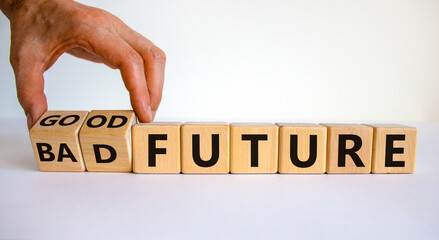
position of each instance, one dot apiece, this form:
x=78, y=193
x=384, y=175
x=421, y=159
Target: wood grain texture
x=168, y=162
x=408, y=155
x=365, y=133
x=241, y=150
x=100, y=130
x=303, y=131
x=206, y=132
x=48, y=133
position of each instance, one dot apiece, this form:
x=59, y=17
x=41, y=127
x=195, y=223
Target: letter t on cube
x=254, y=148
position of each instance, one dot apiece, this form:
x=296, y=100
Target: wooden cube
x=349, y=148
x=394, y=148
x=106, y=140
x=156, y=147
x=205, y=147
x=55, y=141
x=302, y=148
x=253, y=148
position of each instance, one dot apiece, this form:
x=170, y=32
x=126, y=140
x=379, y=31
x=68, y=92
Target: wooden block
x=253, y=148
x=106, y=140
x=205, y=147
x=349, y=148
x=302, y=148
x=394, y=148
x=56, y=143
x=156, y=147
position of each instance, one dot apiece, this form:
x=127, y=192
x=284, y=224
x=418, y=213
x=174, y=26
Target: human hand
x=42, y=30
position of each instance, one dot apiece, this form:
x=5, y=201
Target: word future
x=100, y=141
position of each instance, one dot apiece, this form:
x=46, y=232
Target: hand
x=42, y=30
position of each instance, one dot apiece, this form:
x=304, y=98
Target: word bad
x=111, y=141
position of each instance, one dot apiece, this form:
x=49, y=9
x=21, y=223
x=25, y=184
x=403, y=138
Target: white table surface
x=41, y=205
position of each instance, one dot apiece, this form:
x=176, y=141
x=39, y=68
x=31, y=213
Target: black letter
x=62, y=122
x=113, y=118
x=69, y=154
x=342, y=151
x=254, y=146
x=312, y=152
x=98, y=156
x=48, y=150
x=90, y=120
x=51, y=122
x=152, y=150
x=390, y=150
x=196, y=151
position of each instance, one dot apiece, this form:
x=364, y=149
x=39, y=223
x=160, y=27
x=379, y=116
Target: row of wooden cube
x=111, y=141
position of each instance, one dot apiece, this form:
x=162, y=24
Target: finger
x=30, y=89
x=155, y=60
x=118, y=54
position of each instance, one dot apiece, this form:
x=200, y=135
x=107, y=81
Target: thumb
x=30, y=91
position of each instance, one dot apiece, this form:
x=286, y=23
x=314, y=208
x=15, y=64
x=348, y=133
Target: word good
x=112, y=141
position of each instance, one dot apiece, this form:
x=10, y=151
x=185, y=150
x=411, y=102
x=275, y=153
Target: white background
x=265, y=61
x=90, y=205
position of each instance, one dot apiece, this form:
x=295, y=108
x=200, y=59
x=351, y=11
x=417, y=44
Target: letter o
x=90, y=121
x=62, y=122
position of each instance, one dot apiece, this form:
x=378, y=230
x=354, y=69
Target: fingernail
x=149, y=112
x=29, y=120
x=153, y=114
